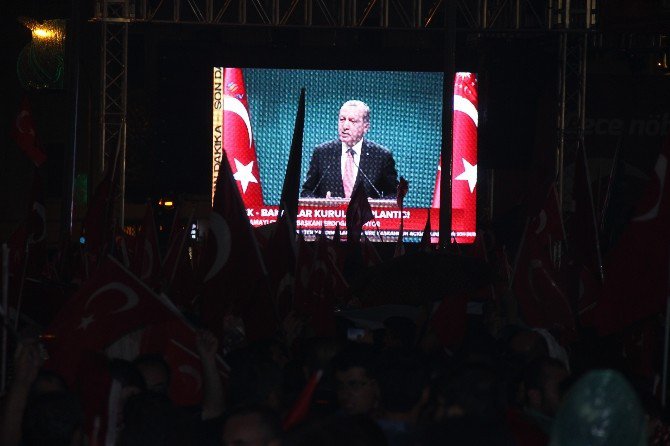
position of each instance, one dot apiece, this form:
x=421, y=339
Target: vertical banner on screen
x=464, y=159
x=234, y=135
x=217, y=123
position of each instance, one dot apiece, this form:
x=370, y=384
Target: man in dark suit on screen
x=339, y=165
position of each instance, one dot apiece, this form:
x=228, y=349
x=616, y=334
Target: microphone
x=351, y=152
x=323, y=175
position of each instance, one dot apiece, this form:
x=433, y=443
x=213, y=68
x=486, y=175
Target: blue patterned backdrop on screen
x=405, y=117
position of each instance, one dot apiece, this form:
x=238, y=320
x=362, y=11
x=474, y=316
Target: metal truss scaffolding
x=114, y=16
x=571, y=20
x=575, y=19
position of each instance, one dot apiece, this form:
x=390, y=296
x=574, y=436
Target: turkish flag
x=281, y=256
x=234, y=274
x=369, y=253
x=583, y=228
x=325, y=285
x=450, y=320
x=109, y=305
x=464, y=158
x=300, y=408
x=146, y=261
x=238, y=140
x=636, y=268
x=424, y=244
x=177, y=272
x=23, y=132
x=175, y=340
x=536, y=283
x=97, y=226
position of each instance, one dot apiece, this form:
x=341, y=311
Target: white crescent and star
x=193, y=373
x=131, y=300
x=234, y=105
x=469, y=175
x=542, y=223
x=19, y=118
x=221, y=231
x=41, y=211
x=660, y=169
x=244, y=174
x=465, y=106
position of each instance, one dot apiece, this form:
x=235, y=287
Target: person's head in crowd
x=155, y=371
x=354, y=371
x=472, y=389
x=526, y=345
x=466, y=431
x=255, y=379
x=131, y=380
x=400, y=332
x=542, y=381
x=151, y=420
x=48, y=381
x=252, y=426
x=403, y=385
x=338, y=430
x=600, y=409
x=54, y=419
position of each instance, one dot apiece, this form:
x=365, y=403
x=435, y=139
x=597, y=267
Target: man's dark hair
x=535, y=375
x=154, y=359
x=51, y=419
x=150, y=419
x=352, y=430
x=357, y=355
x=476, y=389
x=466, y=431
x=402, y=379
x=268, y=420
x=253, y=378
x=126, y=373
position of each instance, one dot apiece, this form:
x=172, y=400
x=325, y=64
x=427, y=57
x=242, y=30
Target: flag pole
x=666, y=339
x=19, y=299
x=5, y=301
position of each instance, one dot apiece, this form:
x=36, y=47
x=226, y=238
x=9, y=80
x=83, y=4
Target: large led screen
x=396, y=115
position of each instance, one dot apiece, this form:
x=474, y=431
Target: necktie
x=348, y=178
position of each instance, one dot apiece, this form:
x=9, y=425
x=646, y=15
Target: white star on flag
x=244, y=175
x=469, y=174
x=86, y=321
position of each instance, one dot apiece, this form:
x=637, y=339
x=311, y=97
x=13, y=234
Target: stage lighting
x=41, y=62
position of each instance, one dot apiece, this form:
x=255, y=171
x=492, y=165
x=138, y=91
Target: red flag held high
x=539, y=292
x=358, y=213
x=146, y=262
x=234, y=274
x=23, y=132
x=636, y=268
x=109, y=305
x=300, y=408
x=464, y=161
x=238, y=140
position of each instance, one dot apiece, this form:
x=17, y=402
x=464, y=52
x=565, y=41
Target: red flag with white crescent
x=464, y=159
x=23, y=132
x=238, y=138
x=637, y=280
x=234, y=274
x=109, y=305
x=146, y=262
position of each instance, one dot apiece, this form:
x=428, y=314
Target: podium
x=339, y=202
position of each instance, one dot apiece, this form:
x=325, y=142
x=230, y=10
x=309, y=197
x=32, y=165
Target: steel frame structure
x=572, y=20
